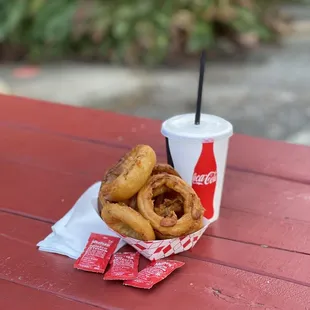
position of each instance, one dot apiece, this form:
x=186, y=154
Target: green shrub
x=133, y=31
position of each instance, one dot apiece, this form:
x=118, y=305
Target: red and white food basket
x=157, y=249
x=154, y=250
x=70, y=234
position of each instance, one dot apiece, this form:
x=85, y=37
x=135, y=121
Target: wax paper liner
x=154, y=250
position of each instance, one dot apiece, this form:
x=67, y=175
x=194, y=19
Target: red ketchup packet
x=154, y=273
x=124, y=266
x=97, y=253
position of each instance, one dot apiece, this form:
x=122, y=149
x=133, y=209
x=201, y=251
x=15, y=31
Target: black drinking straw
x=201, y=75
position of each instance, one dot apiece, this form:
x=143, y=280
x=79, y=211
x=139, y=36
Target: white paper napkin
x=70, y=234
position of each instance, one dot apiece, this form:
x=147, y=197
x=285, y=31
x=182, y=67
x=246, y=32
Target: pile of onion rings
x=146, y=200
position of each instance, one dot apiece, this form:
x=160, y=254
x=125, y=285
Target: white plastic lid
x=210, y=127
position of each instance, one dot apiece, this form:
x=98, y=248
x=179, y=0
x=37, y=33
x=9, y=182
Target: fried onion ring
x=132, y=202
x=125, y=179
x=197, y=225
x=168, y=205
x=126, y=221
x=165, y=168
x=192, y=207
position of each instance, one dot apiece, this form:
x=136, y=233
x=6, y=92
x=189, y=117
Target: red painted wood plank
x=264, y=156
x=268, y=196
x=80, y=122
x=15, y=296
x=290, y=266
x=47, y=194
x=270, y=157
x=286, y=234
x=277, y=198
x=58, y=152
x=196, y=285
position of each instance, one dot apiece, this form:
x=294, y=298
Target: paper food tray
x=157, y=249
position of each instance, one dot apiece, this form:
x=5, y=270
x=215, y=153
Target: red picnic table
x=256, y=256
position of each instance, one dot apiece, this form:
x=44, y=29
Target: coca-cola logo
x=204, y=179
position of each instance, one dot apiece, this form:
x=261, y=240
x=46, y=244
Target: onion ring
x=168, y=205
x=132, y=202
x=126, y=221
x=193, y=209
x=198, y=224
x=125, y=179
x=165, y=168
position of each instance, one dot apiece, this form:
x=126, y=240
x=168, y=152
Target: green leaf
x=53, y=22
x=120, y=29
x=264, y=33
x=124, y=12
x=162, y=20
x=14, y=13
x=201, y=37
x=116, y=28
x=35, y=6
x=162, y=42
x=144, y=8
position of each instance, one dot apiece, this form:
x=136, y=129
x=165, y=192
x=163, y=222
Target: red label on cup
x=205, y=178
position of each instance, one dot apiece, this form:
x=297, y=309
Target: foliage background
x=132, y=31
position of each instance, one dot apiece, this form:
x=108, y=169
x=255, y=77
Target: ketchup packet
x=154, y=273
x=97, y=253
x=124, y=266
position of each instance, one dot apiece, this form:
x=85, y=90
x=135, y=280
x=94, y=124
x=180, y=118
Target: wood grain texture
x=80, y=123
x=255, y=256
x=58, y=152
x=290, y=266
x=267, y=196
x=270, y=157
x=45, y=194
x=285, y=234
x=264, y=156
x=284, y=265
x=48, y=194
x=277, y=198
x=194, y=286
x=15, y=297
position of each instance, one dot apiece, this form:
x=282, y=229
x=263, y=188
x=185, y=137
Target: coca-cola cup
x=199, y=153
